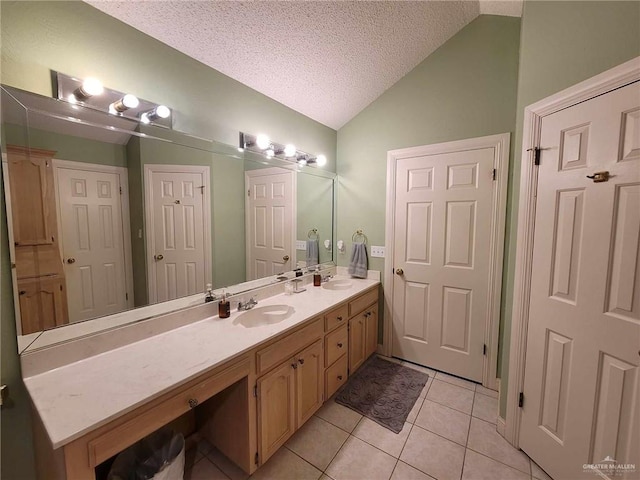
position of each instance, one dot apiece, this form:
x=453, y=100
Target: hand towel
x=359, y=262
x=312, y=252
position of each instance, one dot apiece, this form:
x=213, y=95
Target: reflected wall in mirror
x=106, y=214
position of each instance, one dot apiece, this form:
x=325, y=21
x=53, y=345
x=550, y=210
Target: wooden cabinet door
x=276, y=408
x=309, y=382
x=371, y=331
x=32, y=196
x=43, y=303
x=356, y=342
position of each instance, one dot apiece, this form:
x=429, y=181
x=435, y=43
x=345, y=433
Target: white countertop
x=77, y=398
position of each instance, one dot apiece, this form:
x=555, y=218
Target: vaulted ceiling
x=325, y=59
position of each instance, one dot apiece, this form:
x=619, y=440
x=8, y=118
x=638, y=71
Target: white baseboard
x=500, y=426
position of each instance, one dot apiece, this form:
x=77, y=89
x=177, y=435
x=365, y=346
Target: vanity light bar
x=263, y=145
x=90, y=92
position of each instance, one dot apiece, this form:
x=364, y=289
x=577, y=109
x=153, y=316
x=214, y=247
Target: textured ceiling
x=325, y=59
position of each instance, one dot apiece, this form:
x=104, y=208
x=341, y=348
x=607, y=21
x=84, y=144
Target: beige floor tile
x=358, y=460
x=414, y=411
x=407, y=472
x=317, y=442
x=381, y=437
x=485, y=408
x=444, y=421
x=460, y=382
x=339, y=415
x=286, y=465
x=432, y=454
x=204, y=470
x=191, y=456
x=325, y=477
x=229, y=468
x=538, y=473
x=479, y=467
x=484, y=439
x=451, y=395
x=486, y=391
x=424, y=391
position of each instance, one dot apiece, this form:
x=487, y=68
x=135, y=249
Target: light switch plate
x=377, y=251
x=301, y=245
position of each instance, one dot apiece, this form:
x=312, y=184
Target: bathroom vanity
x=246, y=383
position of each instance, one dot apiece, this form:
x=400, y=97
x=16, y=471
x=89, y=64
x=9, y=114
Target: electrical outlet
x=377, y=251
x=301, y=245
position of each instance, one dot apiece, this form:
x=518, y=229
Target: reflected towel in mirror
x=313, y=254
x=359, y=261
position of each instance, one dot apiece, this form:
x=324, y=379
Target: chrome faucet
x=248, y=305
x=327, y=277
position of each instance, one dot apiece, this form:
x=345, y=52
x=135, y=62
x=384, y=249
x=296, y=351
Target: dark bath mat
x=383, y=391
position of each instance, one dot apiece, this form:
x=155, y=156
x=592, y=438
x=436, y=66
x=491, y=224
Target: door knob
x=399, y=271
x=71, y=260
x=599, y=177
x=286, y=258
x=158, y=257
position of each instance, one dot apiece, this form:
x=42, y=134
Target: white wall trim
x=500, y=144
x=261, y=172
x=149, y=170
x=123, y=180
x=617, y=77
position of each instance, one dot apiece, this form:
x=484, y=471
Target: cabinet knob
x=193, y=403
x=340, y=345
x=339, y=377
x=294, y=365
x=301, y=361
x=339, y=318
x=22, y=292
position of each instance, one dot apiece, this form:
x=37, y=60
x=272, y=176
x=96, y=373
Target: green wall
x=562, y=43
x=466, y=88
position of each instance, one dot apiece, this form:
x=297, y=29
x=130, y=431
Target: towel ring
x=313, y=233
x=359, y=235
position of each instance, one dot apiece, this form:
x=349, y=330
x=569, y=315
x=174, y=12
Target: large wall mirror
x=107, y=215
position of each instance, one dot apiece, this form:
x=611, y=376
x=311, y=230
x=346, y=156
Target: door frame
x=262, y=172
x=500, y=143
x=149, y=170
x=123, y=179
x=612, y=79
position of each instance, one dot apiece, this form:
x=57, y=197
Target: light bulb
x=130, y=101
x=321, y=160
x=163, y=111
x=270, y=153
x=91, y=86
x=302, y=161
x=262, y=141
x=289, y=150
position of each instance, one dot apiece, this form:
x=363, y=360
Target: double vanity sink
x=223, y=372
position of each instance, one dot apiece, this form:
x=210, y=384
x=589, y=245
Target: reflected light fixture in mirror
x=288, y=152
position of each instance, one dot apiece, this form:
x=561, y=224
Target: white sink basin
x=267, y=315
x=338, y=285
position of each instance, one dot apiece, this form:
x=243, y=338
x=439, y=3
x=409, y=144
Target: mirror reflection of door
x=92, y=220
x=178, y=226
x=271, y=221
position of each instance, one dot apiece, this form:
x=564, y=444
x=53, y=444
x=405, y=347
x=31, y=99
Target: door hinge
x=120, y=190
x=60, y=287
x=249, y=193
x=255, y=391
x=257, y=458
x=126, y=296
x=521, y=399
x=484, y=349
x=536, y=155
x=494, y=173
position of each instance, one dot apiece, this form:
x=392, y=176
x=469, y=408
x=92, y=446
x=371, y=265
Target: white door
x=270, y=222
x=581, y=386
x=444, y=216
x=93, y=248
x=178, y=231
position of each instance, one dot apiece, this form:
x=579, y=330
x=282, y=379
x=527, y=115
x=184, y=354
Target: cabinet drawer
x=363, y=301
x=336, y=376
x=338, y=316
x=335, y=345
x=282, y=349
x=143, y=423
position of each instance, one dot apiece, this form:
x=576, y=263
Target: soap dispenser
x=224, y=307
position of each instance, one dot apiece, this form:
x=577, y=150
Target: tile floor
x=449, y=435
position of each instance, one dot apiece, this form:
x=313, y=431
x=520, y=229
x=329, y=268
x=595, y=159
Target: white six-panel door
x=270, y=210
x=581, y=387
x=93, y=249
x=444, y=220
x=178, y=231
